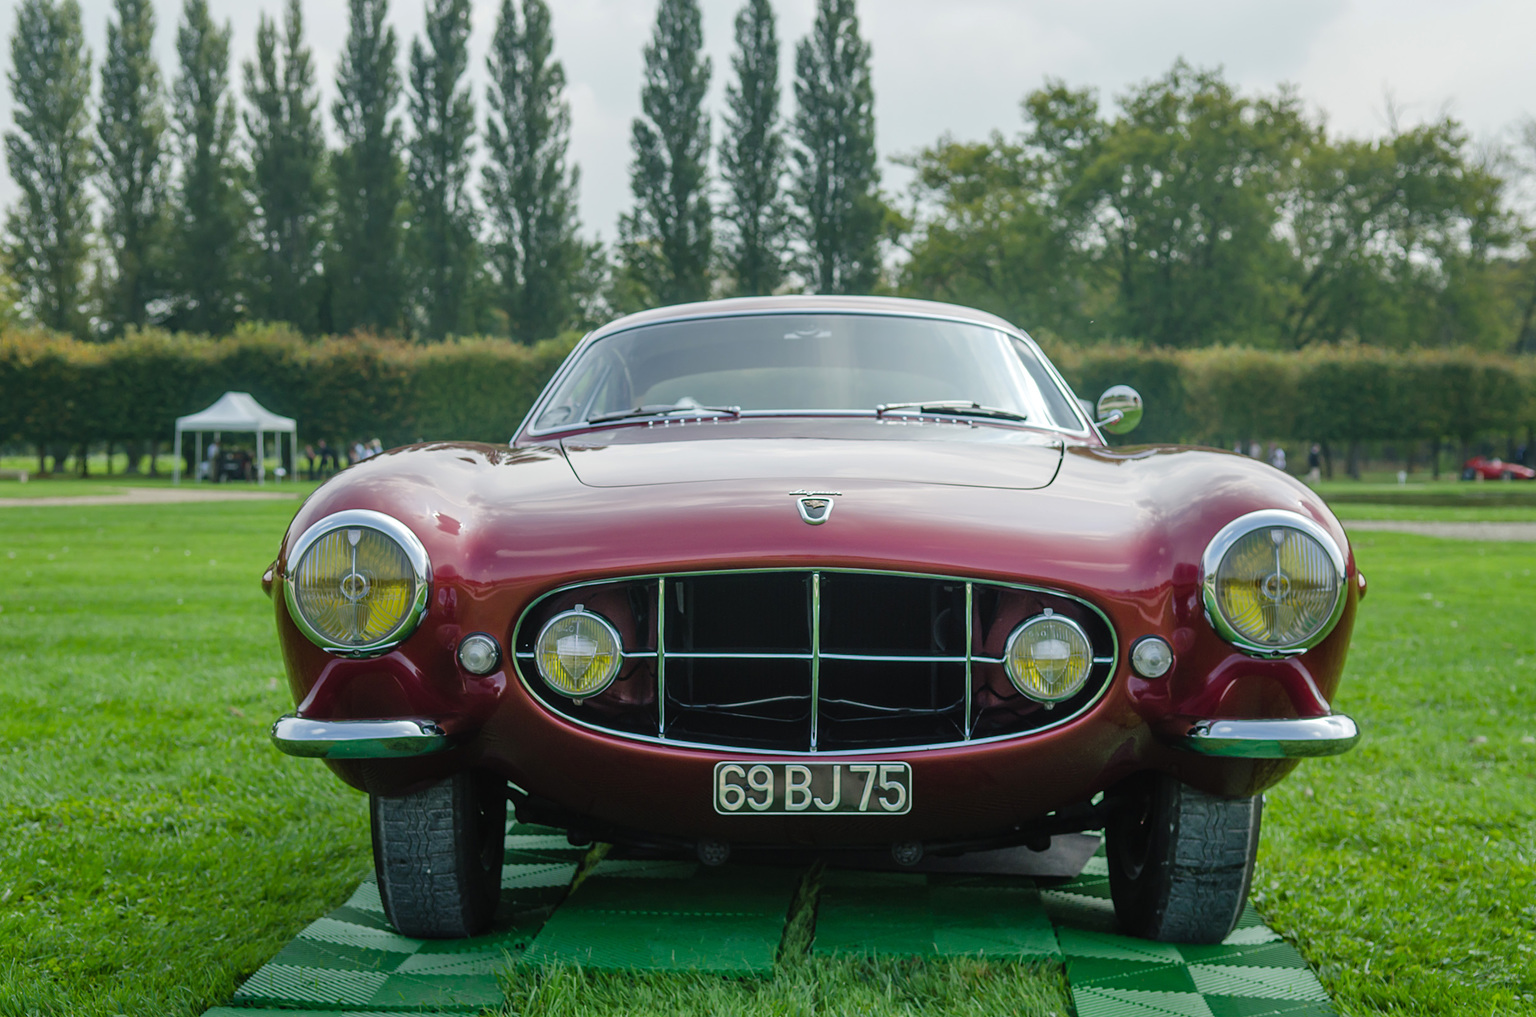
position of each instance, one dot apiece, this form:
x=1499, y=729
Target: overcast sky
x=961, y=66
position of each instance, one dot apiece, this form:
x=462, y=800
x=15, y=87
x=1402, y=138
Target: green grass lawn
x=154, y=848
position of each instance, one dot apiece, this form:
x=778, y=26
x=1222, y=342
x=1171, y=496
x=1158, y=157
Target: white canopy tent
x=238, y=412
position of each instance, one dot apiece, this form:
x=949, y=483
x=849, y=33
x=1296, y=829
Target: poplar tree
x=130, y=156
x=208, y=213
x=836, y=180
x=752, y=157
x=363, y=271
x=530, y=194
x=665, y=241
x=49, y=157
x=287, y=182
x=442, y=249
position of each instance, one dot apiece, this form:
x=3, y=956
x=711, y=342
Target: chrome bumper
x=1296, y=738
x=357, y=739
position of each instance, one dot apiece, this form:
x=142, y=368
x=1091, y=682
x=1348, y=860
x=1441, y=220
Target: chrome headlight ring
x=1073, y=631
x=1227, y=538
x=415, y=553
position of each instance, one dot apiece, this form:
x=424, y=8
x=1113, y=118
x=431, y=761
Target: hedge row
x=1337, y=394
x=56, y=392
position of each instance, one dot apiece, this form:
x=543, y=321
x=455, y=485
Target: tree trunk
x=1434, y=456
x=1327, y=461
x=1354, y=460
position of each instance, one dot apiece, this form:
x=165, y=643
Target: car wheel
x=1180, y=861
x=1469, y=474
x=1507, y=475
x=437, y=853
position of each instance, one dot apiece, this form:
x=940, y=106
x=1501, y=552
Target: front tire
x=1180, y=860
x=437, y=853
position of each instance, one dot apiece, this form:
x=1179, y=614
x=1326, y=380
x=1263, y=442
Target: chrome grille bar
x=968, y=650
x=661, y=657
x=815, y=655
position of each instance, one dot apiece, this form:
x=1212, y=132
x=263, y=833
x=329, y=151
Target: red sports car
x=816, y=573
x=1495, y=469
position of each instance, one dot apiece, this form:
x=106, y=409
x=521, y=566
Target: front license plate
x=790, y=789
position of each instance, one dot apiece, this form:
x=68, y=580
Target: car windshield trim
x=527, y=429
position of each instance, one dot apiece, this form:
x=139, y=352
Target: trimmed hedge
x=1337, y=394
x=56, y=391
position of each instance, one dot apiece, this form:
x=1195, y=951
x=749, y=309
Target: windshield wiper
x=662, y=411
x=958, y=407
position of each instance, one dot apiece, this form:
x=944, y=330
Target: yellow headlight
x=1048, y=658
x=1276, y=588
x=578, y=653
x=359, y=585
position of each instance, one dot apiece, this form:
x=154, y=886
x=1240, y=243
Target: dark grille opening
x=736, y=670
x=870, y=704
x=751, y=703
x=754, y=612
x=628, y=705
x=891, y=615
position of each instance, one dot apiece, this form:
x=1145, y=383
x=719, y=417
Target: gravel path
x=146, y=496
x=1453, y=530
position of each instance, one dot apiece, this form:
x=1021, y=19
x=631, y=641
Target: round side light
x=578, y=653
x=1151, y=656
x=479, y=654
x=1048, y=658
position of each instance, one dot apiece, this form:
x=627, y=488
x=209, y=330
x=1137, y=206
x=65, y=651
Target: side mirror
x=1119, y=409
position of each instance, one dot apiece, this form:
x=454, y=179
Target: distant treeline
x=63, y=396
x=1187, y=214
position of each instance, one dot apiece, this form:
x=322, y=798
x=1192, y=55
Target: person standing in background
x=1314, y=463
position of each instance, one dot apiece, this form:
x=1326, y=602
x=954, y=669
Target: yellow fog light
x=1048, y=658
x=357, y=582
x=578, y=653
x=1273, y=583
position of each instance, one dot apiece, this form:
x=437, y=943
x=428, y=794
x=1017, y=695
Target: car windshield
x=810, y=363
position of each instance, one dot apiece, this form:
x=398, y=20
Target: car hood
x=947, y=453
x=1109, y=522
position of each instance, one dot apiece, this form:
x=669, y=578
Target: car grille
x=813, y=660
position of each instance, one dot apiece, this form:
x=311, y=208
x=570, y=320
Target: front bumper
x=358, y=739
x=1294, y=738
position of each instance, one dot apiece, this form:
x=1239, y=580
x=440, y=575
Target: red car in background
x=816, y=573
x=1495, y=469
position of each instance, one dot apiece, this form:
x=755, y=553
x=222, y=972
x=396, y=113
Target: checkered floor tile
x=352, y=960
x=1250, y=974
x=671, y=916
x=931, y=915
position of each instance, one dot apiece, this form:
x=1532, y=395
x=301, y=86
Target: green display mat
x=681, y=916
x=913, y=914
x=671, y=917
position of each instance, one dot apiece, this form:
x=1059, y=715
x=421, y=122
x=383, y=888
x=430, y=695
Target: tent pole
x=261, y=457
x=176, y=466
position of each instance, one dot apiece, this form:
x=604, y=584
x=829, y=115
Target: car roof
x=809, y=304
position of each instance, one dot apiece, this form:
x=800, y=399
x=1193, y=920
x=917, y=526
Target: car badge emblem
x=815, y=506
